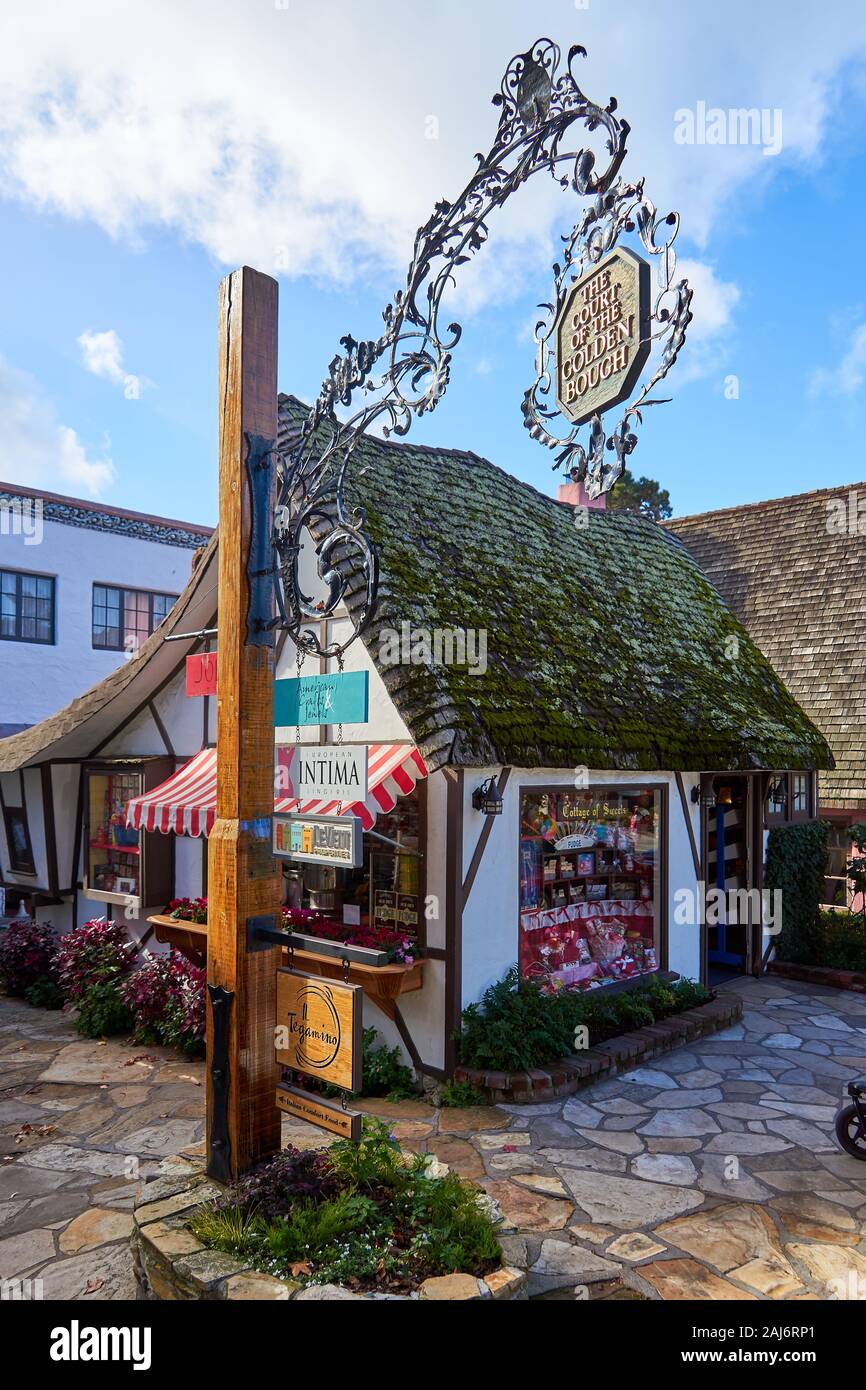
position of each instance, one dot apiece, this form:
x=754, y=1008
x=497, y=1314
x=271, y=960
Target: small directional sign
x=201, y=674
x=341, y=698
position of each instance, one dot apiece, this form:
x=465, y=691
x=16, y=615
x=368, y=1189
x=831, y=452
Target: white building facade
x=82, y=584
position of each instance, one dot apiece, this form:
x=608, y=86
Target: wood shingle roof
x=794, y=572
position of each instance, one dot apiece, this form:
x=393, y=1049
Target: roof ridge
x=173, y=523
x=767, y=502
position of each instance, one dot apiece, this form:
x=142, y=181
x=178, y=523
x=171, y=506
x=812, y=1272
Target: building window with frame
x=18, y=842
x=798, y=795
x=124, y=618
x=26, y=607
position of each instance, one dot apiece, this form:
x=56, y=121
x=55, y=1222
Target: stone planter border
x=171, y=1263
x=564, y=1077
x=819, y=975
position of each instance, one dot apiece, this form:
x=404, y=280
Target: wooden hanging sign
x=303, y=1106
x=319, y=1028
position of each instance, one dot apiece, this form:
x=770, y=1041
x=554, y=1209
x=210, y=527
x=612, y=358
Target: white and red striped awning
x=186, y=802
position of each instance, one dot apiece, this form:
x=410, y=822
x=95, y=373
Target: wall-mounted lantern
x=487, y=799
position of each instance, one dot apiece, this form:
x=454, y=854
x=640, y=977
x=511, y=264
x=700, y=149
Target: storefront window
x=589, y=866
x=386, y=891
x=113, y=850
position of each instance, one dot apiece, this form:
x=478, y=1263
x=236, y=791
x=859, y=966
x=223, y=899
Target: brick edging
x=568, y=1074
x=819, y=975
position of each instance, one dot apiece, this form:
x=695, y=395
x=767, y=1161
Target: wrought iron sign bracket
x=405, y=371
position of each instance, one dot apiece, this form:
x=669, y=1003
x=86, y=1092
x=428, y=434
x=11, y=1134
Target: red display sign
x=201, y=674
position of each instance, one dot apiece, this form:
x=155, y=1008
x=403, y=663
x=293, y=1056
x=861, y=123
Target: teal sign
x=341, y=698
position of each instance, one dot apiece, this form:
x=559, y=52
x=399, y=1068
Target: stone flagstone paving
x=708, y=1173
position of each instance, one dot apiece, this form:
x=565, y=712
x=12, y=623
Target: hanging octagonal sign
x=603, y=335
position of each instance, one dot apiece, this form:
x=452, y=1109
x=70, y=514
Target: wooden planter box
x=382, y=983
x=190, y=938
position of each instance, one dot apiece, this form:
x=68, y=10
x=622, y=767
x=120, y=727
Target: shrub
x=841, y=943
x=101, y=1011
x=27, y=955
x=45, y=993
x=460, y=1095
x=273, y=1189
x=516, y=1026
x=92, y=963
x=797, y=864
x=97, y=953
x=384, y=1073
x=167, y=999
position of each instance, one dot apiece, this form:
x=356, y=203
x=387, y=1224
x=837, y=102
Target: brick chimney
x=574, y=494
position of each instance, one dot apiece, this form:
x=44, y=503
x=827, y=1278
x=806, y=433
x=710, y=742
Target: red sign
x=201, y=674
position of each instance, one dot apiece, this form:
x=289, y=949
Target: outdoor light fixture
x=705, y=795
x=778, y=791
x=487, y=798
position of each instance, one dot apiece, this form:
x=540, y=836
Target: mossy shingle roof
x=606, y=646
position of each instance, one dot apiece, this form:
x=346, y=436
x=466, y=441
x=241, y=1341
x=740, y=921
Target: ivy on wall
x=797, y=864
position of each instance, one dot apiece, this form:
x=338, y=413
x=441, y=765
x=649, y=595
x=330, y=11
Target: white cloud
x=297, y=138
x=713, y=314
x=38, y=451
x=847, y=377
x=102, y=354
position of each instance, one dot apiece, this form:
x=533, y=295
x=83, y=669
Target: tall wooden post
x=242, y=1119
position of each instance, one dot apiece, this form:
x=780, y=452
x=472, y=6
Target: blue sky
x=131, y=181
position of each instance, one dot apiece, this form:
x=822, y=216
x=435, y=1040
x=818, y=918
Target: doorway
x=730, y=867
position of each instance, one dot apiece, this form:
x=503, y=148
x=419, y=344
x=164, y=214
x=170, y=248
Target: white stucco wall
x=39, y=679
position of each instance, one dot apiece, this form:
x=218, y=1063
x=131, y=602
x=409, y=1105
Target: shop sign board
x=334, y=840
x=603, y=335
x=304, y=1106
x=322, y=772
x=340, y=698
x=201, y=674
x=319, y=1028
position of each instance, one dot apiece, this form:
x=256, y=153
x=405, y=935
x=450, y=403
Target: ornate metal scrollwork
x=616, y=210
x=405, y=371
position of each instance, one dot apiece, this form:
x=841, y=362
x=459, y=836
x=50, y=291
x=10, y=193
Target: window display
x=589, y=864
x=113, y=850
x=385, y=892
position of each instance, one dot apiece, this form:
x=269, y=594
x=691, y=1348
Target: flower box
x=190, y=938
x=383, y=983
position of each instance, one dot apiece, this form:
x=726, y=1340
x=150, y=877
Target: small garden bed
x=520, y=1044
x=364, y=1217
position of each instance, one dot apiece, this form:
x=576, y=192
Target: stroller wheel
x=849, y=1132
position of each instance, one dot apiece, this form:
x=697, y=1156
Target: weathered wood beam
x=243, y=1120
